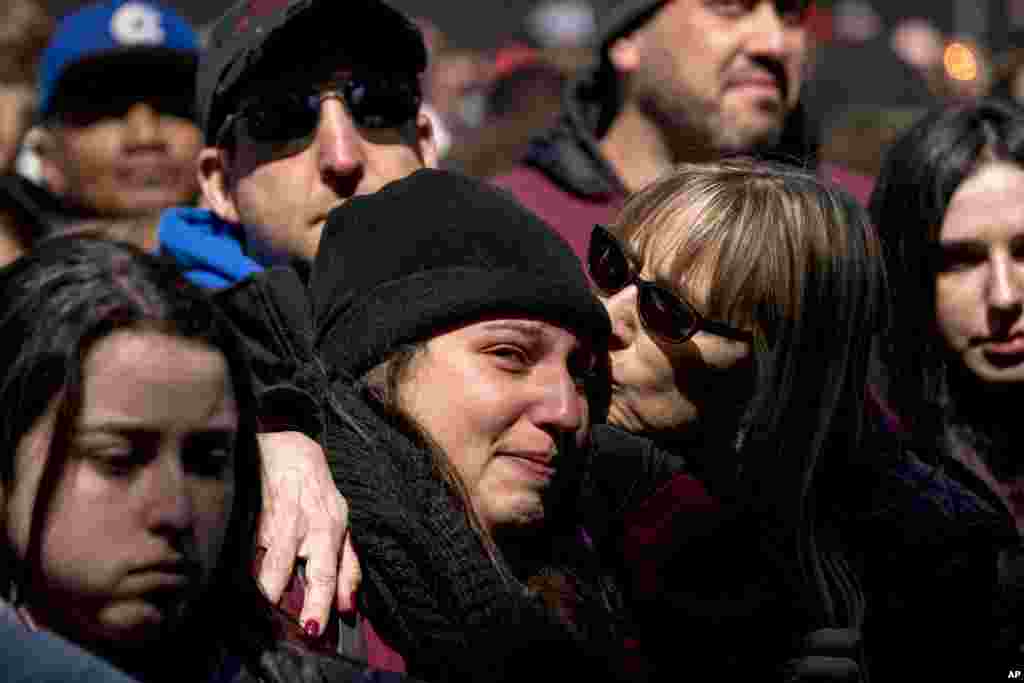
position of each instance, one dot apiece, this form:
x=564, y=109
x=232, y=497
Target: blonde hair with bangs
x=755, y=230
x=796, y=261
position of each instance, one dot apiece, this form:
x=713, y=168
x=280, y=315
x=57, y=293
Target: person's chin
x=138, y=622
x=151, y=200
x=998, y=373
x=751, y=129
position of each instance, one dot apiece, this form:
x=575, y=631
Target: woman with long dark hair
x=130, y=478
x=949, y=206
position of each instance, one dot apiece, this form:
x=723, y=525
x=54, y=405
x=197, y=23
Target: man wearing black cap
x=678, y=80
x=303, y=104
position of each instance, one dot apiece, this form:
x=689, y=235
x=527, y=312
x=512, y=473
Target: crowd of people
x=302, y=382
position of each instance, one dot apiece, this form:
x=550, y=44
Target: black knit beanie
x=435, y=250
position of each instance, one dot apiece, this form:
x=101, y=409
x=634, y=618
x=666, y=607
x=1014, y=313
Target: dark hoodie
x=565, y=178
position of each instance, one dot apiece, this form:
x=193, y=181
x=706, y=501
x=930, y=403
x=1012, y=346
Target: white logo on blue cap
x=137, y=24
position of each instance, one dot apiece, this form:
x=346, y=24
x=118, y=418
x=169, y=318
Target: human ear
x=48, y=148
x=624, y=54
x=214, y=171
x=426, y=144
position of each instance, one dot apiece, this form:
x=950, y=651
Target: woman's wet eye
x=730, y=7
x=512, y=355
x=117, y=463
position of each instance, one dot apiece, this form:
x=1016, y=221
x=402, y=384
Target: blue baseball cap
x=116, y=31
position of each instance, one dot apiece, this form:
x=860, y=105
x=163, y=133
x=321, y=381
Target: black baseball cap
x=253, y=33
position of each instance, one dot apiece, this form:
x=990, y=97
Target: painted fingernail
x=312, y=628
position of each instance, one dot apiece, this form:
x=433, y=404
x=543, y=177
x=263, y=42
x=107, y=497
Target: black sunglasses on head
x=289, y=120
x=662, y=312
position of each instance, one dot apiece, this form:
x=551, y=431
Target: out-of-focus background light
x=960, y=61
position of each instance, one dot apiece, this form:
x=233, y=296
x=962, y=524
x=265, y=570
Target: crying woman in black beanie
x=459, y=336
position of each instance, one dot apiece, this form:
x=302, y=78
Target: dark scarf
x=429, y=587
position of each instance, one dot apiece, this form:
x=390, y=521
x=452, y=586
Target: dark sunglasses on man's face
x=288, y=121
x=663, y=313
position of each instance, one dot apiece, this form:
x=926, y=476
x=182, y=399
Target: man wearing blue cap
x=115, y=100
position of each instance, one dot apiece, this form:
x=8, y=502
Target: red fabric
x=682, y=506
x=571, y=216
x=379, y=654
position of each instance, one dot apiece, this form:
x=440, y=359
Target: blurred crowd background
x=876, y=65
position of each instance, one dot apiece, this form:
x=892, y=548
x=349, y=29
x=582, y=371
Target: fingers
x=280, y=532
x=322, y=548
x=350, y=575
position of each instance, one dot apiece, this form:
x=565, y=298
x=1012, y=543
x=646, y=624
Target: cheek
x=92, y=152
x=214, y=505
x=90, y=529
x=263, y=198
x=796, y=66
x=184, y=140
x=394, y=160
x=955, y=307
x=648, y=368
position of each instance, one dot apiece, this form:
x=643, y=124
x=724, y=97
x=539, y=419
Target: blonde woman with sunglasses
x=744, y=297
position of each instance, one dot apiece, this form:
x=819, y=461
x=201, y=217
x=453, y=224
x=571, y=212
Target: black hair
x=920, y=174
x=55, y=303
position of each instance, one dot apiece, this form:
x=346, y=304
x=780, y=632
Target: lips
x=536, y=465
x=1012, y=346
x=1004, y=353
x=759, y=80
x=163, y=576
x=149, y=174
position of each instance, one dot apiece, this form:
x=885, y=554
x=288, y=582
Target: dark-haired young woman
x=129, y=471
x=950, y=210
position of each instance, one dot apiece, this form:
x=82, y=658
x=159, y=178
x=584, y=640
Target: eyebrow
x=527, y=327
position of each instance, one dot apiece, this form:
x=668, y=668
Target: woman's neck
x=985, y=418
x=984, y=435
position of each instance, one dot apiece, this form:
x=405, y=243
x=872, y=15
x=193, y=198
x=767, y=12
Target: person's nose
x=622, y=311
x=340, y=147
x=561, y=405
x=767, y=32
x=170, y=507
x=1005, y=287
x=142, y=125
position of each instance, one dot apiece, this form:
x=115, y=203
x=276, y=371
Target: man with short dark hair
x=301, y=109
x=678, y=80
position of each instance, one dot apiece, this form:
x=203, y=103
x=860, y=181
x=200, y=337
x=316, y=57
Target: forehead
x=157, y=380
x=989, y=204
